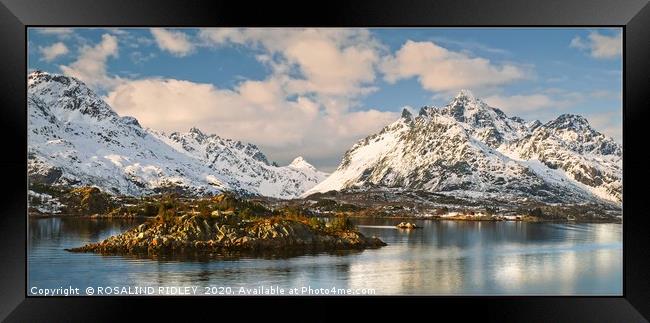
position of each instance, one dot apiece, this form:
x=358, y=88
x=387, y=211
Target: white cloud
x=439, y=69
x=90, y=66
x=309, y=104
x=138, y=57
x=599, y=45
x=543, y=105
x=517, y=104
x=53, y=51
x=337, y=65
x=471, y=46
x=56, y=31
x=255, y=111
x=175, y=42
x=222, y=36
x=115, y=31
x=609, y=123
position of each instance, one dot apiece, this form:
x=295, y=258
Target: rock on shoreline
x=196, y=233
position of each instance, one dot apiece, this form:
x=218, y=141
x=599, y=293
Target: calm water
x=442, y=258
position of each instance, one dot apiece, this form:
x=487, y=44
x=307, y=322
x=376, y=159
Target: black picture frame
x=632, y=15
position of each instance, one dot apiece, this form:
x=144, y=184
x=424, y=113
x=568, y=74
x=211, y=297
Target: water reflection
x=442, y=258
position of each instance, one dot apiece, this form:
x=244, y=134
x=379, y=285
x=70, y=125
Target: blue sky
x=314, y=92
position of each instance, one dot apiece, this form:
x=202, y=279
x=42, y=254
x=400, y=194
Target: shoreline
x=413, y=217
x=479, y=219
x=90, y=202
x=90, y=217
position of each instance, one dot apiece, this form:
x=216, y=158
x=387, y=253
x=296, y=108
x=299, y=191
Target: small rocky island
x=407, y=225
x=227, y=224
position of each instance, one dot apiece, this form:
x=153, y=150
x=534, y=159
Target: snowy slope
x=245, y=166
x=75, y=138
x=474, y=150
x=571, y=146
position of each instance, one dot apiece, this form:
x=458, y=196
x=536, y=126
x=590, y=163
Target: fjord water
x=441, y=258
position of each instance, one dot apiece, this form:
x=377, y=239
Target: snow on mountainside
x=75, y=138
x=245, y=164
x=474, y=150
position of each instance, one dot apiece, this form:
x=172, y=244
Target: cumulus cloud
x=255, y=111
x=335, y=64
x=439, y=69
x=90, y=66
x=175, y=42
x=50, y=53
x=599, y=45
x=308, y=104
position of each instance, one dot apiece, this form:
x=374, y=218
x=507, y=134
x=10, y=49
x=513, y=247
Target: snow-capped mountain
x=75, y=138
x=474, y=150
x=246, y=167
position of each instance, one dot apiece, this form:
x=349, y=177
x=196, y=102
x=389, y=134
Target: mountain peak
x=39, y=76
x=126, y=159
x=569, y=121
x=196, y=131
x=36, y=73
x=465, y=107
x=67, y=93
x=532, y=125
x=406, y=114
x=465, y=99
x=300, y=162
x=465, y=94
x=424, y=111
x=572, y=117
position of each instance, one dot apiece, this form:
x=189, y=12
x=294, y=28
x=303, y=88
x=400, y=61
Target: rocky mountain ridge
x=468, y=148
x=76, y=139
